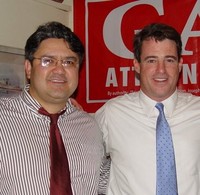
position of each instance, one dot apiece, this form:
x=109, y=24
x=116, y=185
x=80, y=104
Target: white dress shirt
x=129, y=126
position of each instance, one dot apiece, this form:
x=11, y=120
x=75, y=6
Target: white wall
x=20, y=18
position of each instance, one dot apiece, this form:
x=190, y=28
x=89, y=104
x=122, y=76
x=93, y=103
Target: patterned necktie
x=60, y=183
x=166, y=167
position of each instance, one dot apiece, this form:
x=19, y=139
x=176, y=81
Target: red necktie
x=60, y=176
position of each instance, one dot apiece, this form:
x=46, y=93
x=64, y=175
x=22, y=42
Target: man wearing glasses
x=43, y=137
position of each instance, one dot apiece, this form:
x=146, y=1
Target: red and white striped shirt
x=24, y=148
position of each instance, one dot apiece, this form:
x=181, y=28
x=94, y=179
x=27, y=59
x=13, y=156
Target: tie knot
x=53, y=117
x=159, y=106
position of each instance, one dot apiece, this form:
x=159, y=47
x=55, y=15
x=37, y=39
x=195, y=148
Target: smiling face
x=159, y=68
x=52, y=86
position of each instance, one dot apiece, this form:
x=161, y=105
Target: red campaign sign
x=107, y=29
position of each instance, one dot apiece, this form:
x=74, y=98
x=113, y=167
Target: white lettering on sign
x=189, y=76
x=114, y=42
x=111, y=78
x=187, y=31
x=124, y=71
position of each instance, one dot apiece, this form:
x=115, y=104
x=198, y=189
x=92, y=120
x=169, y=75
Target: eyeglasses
x=51, y=61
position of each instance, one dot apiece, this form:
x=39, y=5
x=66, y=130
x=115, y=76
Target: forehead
x=54, y=47
x=153, y=47
x=54, y=41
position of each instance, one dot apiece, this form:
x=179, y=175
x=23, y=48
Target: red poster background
x=107, y=29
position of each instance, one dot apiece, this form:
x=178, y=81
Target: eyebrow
x=148, y=57
x=71, y=58
x=168, y=56
x=66, y=57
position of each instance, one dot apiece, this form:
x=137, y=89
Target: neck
x=51, y=109
x=52, y=106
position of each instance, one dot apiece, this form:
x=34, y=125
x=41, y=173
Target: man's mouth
x=160, y=79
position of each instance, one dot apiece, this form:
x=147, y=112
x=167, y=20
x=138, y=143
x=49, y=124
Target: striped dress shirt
x=24, y=148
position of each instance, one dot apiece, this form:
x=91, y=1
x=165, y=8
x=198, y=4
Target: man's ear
x=28, y=68
x=136, y=66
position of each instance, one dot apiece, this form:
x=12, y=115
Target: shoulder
x=6, y=101
x=119, y=105
x=129, y=99
x=81, y=117
x=187, y=97
x=10, y=104
x=83, y=123
x=188, y=100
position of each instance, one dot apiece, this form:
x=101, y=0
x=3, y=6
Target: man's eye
x=47, y=61
x=170, y=60
x=68, y=62
x=151, y=61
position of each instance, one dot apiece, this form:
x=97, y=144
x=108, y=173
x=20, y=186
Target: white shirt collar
x=149, y=105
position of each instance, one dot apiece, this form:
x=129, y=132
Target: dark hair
x=159, y=32
x=53, y=30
